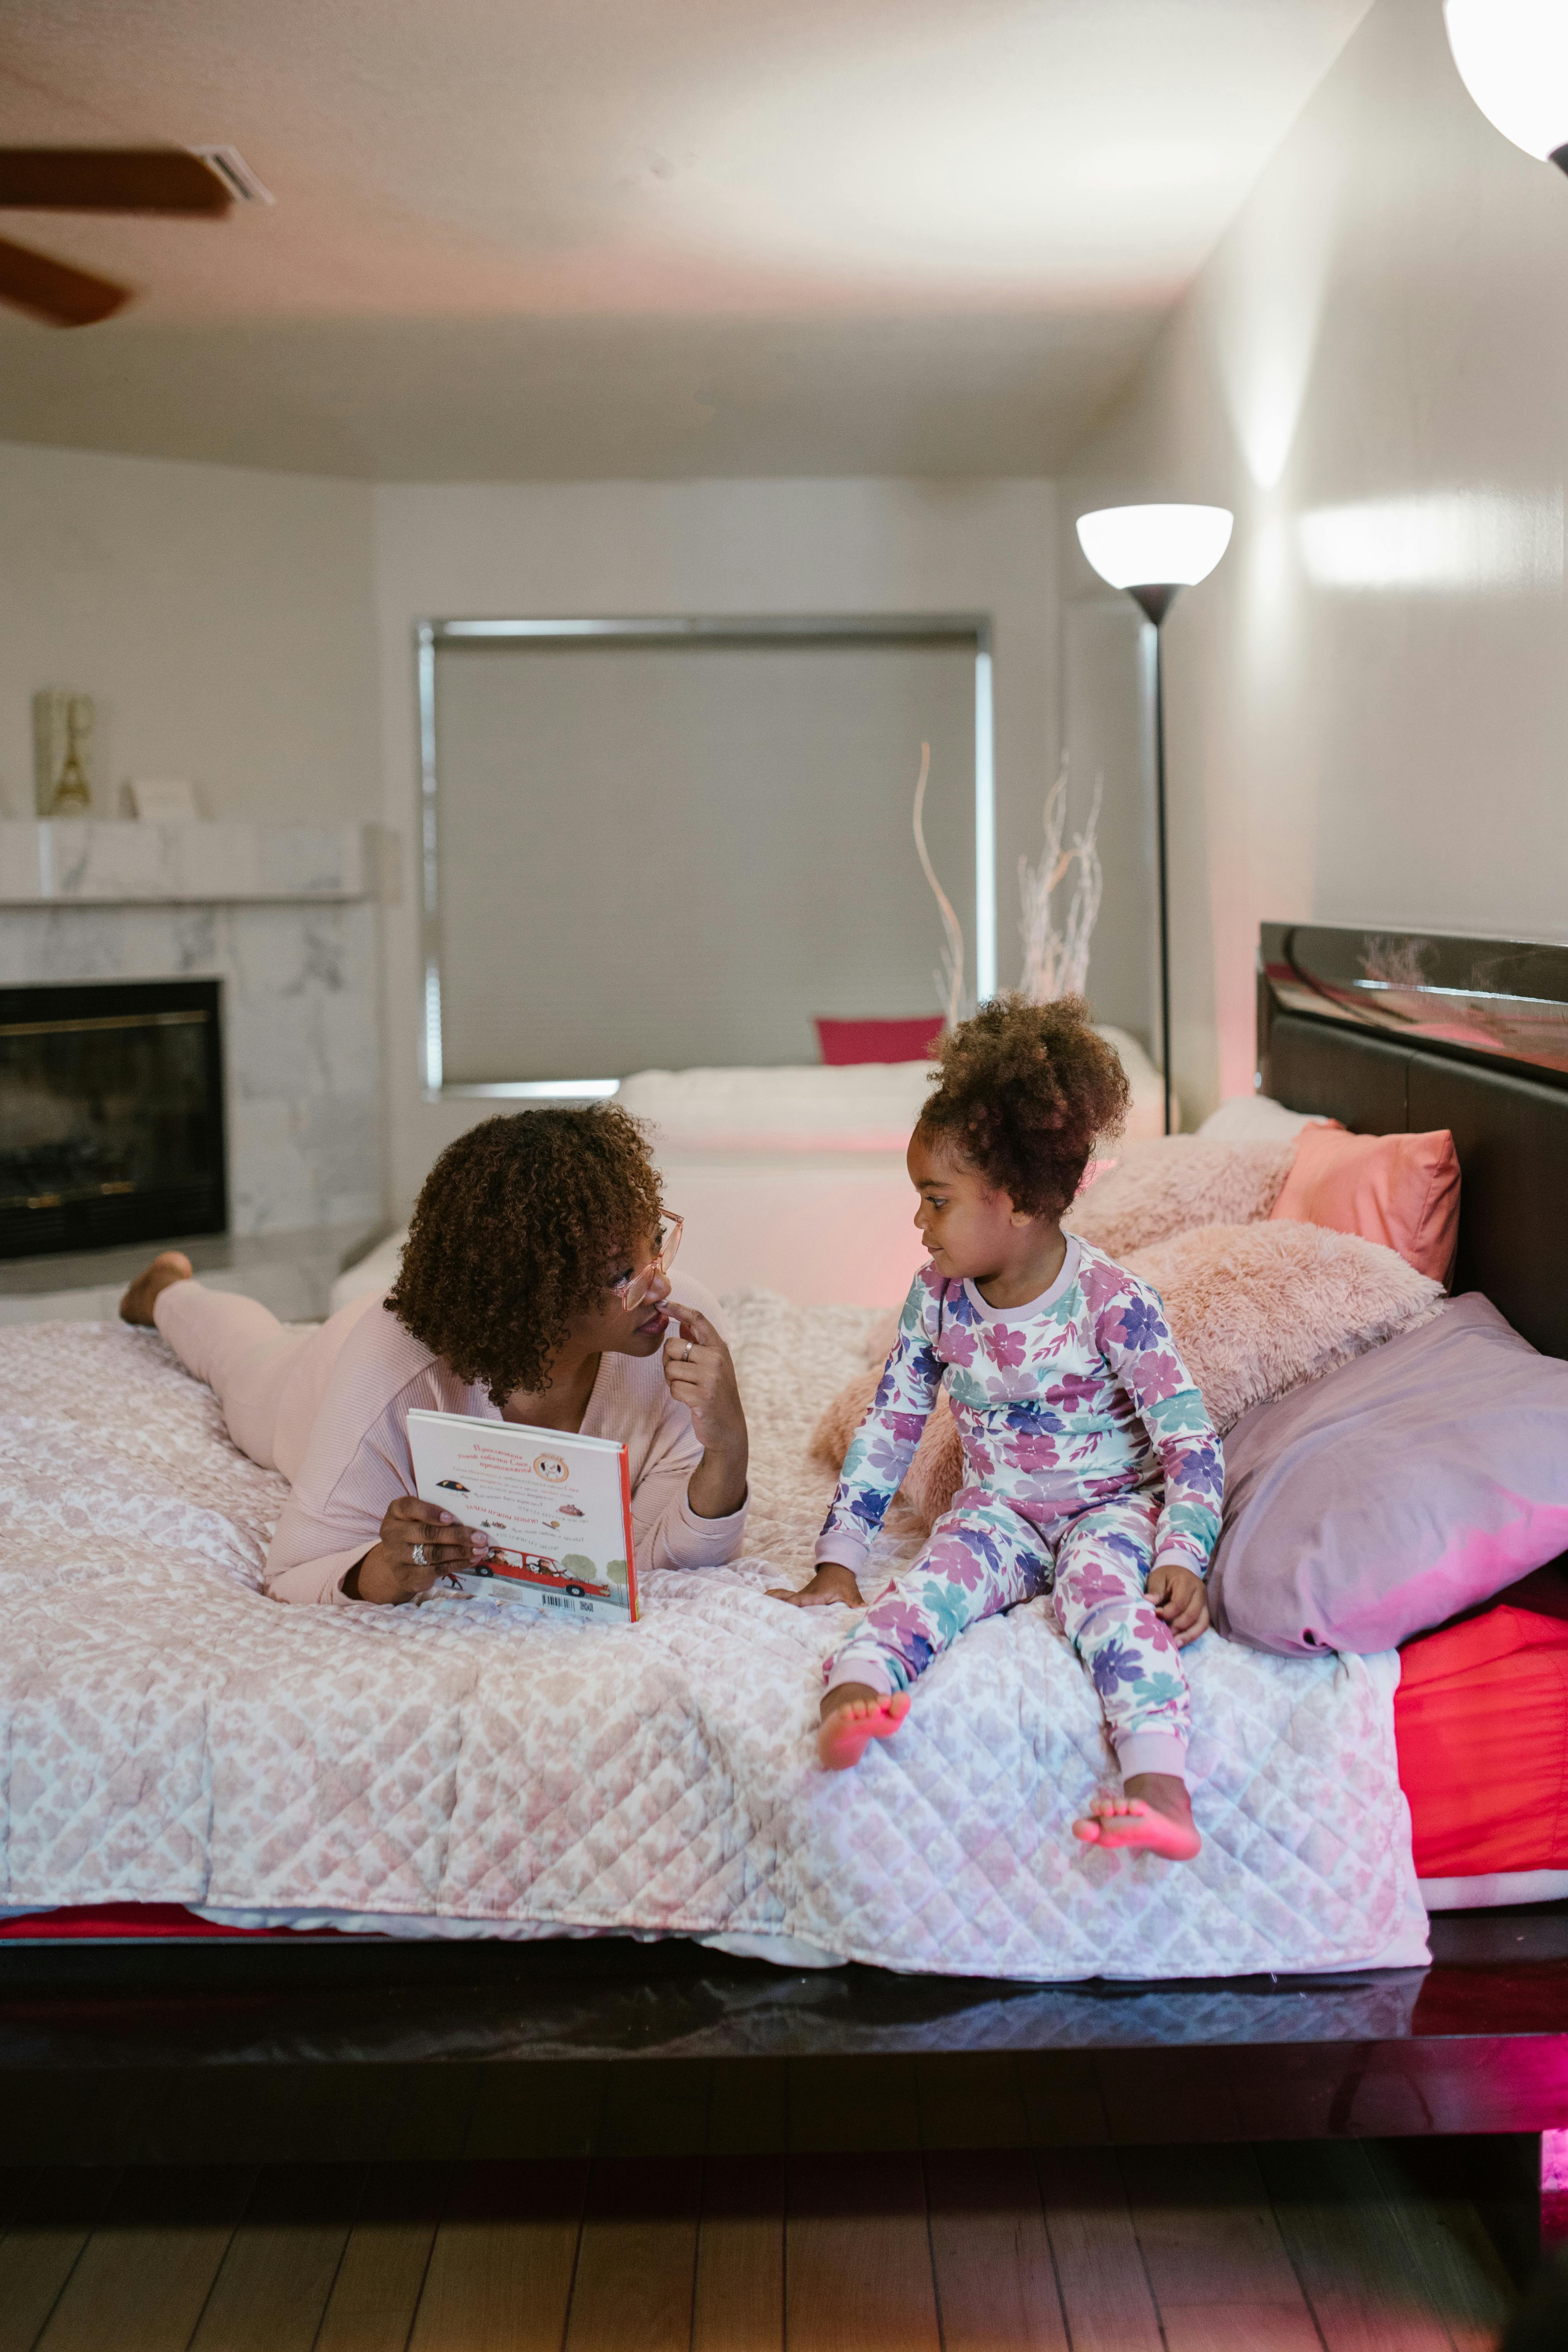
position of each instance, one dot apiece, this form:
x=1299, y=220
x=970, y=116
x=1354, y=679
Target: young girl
x=1091, y=1469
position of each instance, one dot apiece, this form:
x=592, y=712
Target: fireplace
x=112, y=1123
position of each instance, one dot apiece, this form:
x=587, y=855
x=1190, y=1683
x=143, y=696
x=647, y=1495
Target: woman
x=533, y=1288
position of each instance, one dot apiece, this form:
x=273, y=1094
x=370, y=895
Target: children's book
x=557, y=1511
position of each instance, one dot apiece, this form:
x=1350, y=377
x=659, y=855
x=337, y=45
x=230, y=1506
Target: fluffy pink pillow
x=1169, y=1186
x=1400, y=1190
x=1256, y=1310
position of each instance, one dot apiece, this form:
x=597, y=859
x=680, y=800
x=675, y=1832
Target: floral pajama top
x=1075, y=1399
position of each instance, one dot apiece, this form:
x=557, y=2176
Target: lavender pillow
x=1417, y=1481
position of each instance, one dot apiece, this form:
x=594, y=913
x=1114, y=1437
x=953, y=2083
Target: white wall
x=222, y=618
x=1105, y=731
x=1368, y=702
x=707, y=547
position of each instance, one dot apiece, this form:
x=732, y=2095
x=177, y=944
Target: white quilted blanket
x=170, y=1736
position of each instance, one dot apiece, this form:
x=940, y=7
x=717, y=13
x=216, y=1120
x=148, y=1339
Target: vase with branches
x=949, y=976
x=1056, y=956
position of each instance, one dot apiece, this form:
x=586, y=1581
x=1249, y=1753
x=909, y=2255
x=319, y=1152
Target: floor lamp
x=1153, y=551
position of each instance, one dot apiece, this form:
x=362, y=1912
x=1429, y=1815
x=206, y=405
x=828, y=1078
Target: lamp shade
x=1512, y=57
x=1169, y=546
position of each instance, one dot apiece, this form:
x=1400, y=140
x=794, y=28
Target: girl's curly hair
x=1025, y=1089
x=511, y=1234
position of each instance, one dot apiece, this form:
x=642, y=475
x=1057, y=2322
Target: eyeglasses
x=632, y=1289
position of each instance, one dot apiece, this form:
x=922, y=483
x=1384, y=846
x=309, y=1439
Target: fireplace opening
x=112, y=1123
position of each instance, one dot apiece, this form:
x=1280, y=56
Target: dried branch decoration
x=1056, y=962
x=949, y=978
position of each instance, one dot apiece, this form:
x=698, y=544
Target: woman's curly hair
x=1025, y=1089
x=511, y=1234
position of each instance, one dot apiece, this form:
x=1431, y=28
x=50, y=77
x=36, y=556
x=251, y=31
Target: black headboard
x=1391, y=1033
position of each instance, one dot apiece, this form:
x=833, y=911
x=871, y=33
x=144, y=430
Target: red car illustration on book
x=576, y=1574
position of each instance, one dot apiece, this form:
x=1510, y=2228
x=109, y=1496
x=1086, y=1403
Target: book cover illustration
x=557, y=1509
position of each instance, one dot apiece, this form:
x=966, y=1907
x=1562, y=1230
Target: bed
x=1138, y=2023
x=792, y=1179
x=174, y=1737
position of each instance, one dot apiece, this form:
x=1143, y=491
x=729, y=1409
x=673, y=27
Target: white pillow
x=803, y=1107
x=818, y=1107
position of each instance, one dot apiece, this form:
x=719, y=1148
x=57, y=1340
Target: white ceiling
x=556, y=238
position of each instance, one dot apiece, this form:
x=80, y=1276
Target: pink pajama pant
x=984, y=1556
x=268, y=1377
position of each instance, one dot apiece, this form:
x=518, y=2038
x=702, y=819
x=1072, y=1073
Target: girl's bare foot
x=169, y=1265
x=854, y=1715
x=1154, y=1813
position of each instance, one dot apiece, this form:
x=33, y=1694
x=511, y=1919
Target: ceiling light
x=1512, y=57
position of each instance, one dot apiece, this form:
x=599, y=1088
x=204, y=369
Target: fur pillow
x=1256, y=1310
x=1170, y=1186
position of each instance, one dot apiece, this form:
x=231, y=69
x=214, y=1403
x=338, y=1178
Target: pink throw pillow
x=880, y=1041
x=1400, y=1190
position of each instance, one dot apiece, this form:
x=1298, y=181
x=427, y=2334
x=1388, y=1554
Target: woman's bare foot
x=169, y=1265
x=854, y=1715
x=1154, y=1813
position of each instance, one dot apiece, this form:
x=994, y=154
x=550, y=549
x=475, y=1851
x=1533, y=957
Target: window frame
x=847, y=629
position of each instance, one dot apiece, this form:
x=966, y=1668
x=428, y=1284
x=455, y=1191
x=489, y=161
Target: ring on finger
x=687, y=1358
x=419, y=1556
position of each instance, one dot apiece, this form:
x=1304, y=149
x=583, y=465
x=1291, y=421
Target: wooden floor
x=1343, y=2246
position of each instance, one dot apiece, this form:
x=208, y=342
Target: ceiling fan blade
x=109, y=180
x=53, y=291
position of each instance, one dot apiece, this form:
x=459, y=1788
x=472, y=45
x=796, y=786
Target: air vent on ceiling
x=235, y=174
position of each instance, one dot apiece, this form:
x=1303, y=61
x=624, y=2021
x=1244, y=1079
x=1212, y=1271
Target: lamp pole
x=1153, y=552
x=1156, y=599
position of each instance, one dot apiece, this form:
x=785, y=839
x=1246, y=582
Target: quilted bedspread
x=172, y=1736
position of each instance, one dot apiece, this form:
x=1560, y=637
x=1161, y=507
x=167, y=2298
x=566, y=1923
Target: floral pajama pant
x=984, y=1556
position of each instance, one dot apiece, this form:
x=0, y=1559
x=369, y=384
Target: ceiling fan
x=172, y=181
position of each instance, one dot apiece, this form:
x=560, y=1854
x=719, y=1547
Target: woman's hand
x=831, y=1585
x=1181, y=1601
x=389, y=1572
x=697, y=1366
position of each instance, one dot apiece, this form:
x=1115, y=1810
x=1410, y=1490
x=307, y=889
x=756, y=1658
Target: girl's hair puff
x=1023, y=1093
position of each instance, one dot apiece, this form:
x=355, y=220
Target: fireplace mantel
x=83, y=861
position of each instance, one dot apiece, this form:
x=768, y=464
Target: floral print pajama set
x=1090, y=1459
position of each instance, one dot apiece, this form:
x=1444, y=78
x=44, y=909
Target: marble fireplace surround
x=285, y=918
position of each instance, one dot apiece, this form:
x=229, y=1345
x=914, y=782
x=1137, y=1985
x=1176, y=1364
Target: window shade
x=675, y=856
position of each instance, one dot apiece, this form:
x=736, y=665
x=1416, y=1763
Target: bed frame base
x=326, y=2051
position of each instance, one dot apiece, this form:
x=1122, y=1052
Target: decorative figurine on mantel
x=62, y=752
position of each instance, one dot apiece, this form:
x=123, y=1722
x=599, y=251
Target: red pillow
x=1400, y=1190
x=880, y=1041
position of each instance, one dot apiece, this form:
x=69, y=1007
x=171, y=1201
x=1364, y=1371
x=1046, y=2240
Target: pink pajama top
x=348, y=1398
